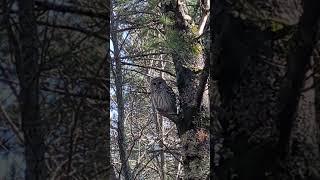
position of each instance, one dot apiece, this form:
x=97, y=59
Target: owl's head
x=157, y=83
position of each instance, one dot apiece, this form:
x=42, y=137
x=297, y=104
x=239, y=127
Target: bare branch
x=14, y=128
x=150, y=67
x=204, y=18
x=142, y=55
x=78, y=29
x=71, y=9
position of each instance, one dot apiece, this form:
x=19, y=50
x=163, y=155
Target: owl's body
x=163, y=98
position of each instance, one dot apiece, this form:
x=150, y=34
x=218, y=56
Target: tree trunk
x=159, y=126
x=191, y=65
x=28, y=74
x=249, y=60
x=299, y=132
x=110, y=170
x=125, y=168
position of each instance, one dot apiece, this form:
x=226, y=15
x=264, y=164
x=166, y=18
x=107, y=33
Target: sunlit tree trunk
x=191, y=63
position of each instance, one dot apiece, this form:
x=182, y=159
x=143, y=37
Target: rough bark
x=249, y=58
x=297, y=122
x=191, y=75
x=316, y=86
x=28, y=74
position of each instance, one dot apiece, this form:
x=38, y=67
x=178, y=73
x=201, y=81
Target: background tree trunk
x=28, y=74
x=126, y=171
x=159, y=126
x=53, y=65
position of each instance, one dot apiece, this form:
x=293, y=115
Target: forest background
x=245, y=75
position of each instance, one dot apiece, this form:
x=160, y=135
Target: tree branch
x=149, y=67
x=141, y=55
x=13, y=126
x=203, y=79
x=80, y=95
x=78, y=29
x=204, y=18
x=71, y=9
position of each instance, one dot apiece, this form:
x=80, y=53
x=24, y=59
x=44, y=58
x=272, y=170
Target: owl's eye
x=154, y=83
x=159, y=82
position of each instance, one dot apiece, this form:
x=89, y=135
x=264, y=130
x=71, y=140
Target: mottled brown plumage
x=163, y=98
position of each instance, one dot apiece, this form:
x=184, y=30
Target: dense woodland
x=75, y=97
x=53, y=90
x=262, y=81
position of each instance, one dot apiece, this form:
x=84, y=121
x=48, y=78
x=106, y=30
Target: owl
x=163, y=98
